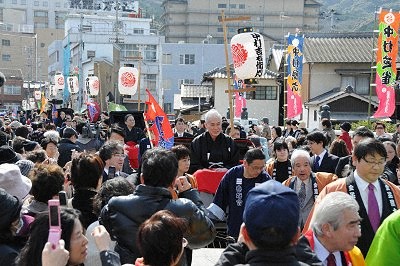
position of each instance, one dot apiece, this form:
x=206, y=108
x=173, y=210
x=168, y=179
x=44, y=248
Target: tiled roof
x=338, y=49
x=9, y=72
x=337, y=93
x=220, y=72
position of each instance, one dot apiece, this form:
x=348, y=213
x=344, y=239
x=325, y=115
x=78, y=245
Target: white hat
x=12, y=181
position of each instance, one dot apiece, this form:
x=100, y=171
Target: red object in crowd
x=208, y=180
x=133, y=152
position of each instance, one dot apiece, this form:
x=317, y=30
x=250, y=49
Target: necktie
x=330, y=261
x=373, y=209
x=302, y=194
x=316, y=163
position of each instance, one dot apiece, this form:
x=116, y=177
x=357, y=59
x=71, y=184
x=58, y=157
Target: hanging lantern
x=128, y=80
x=53, y=90
x=37, y=95
x=59, y=81
x=73, y=85
x=93, y=85
x=248, y=54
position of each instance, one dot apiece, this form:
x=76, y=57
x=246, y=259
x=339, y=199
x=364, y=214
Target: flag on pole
x=386, y=62
x=93, y=111
x=54, y=113
x=161, y=127
x=240, y=99
x=43, y=103
x=295, y=72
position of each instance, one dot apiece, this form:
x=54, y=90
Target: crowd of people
x=292, y=197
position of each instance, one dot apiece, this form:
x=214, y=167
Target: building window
x=36, y=3
x=58, y=4
x=45, y=4
x=221, y=5
x=220, y=40
x=41, y=25
x=10, y=89
x=220, y=29
x=40, y=14
x=150, y=53
x=6, y=57
x=168, y=107
x=138, y=31
x=167, y=59
x=23, y=2
x=242, y=6
x=150, y=81
x=186, y=59
x=232, y=6
x=5, y=42
x=185, y=81
x=263, y=93
x=360, y=84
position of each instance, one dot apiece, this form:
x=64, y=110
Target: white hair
x=53, y=134
x=330, y=210
x=299, y=153
x=212, y=114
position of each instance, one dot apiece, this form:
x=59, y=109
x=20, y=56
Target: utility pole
x=223, y=21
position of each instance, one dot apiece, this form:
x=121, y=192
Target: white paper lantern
x=53, y=91
x=37, y=95
x=128, y=80
x=248, y=54
x=93, y=85
x=59, y=81
x=73, y=84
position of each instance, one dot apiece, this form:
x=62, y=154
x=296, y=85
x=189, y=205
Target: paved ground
x=206, y=256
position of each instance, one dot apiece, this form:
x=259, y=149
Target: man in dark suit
x=180, y=127
x=112, y=154
x=377, y=198
x=345, y=167
x=321, y=160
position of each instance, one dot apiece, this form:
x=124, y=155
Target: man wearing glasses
x=112, y=154
x=378, y=198
x=233, y=188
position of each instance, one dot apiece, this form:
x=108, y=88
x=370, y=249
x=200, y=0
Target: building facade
x=190, y=21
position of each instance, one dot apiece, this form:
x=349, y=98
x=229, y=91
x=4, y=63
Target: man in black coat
x=180, y=126
x=321, y=160
x=213, y=148
x=123, y=215
x=67, y=145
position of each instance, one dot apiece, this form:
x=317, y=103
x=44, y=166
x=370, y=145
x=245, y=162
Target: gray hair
x=299, y=153
x=330, y=210
x=212, y=114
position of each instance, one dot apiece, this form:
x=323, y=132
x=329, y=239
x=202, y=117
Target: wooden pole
x=223, y=21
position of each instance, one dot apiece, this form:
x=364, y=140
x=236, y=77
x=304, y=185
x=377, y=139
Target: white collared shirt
x=321, y=156
x=363, y=188
x=298, y=182
x=322, y=253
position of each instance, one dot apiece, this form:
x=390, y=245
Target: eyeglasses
x=119, y=155
x=379, y=127
x=380, y=163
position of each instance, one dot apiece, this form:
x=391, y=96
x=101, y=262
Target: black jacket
x=123, y=215
x=328, y=163
x=205, y=151
x=239, y=254
x=65, y=147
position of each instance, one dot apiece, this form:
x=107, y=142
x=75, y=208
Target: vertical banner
x=240, y=98
x=386, y=62
x=161, y=128
x=295, y=73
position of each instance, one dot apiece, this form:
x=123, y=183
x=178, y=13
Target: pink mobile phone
x=54, y=222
